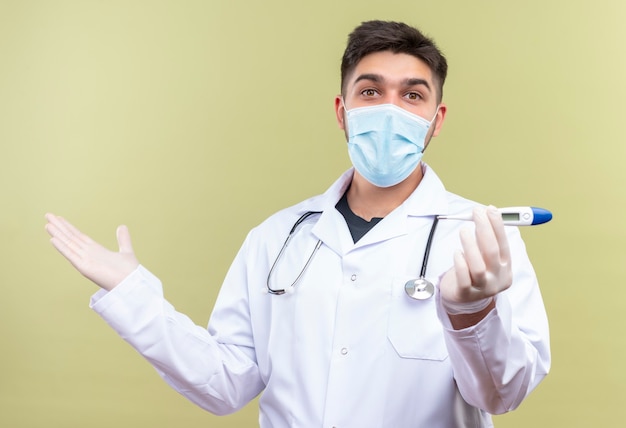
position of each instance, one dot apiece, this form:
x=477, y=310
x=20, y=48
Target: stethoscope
x=419, y=289
x=279, y=291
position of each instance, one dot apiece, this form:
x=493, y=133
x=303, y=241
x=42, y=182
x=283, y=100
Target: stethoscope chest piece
x=419, y=289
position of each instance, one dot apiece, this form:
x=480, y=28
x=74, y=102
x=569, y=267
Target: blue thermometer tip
x=541, y=216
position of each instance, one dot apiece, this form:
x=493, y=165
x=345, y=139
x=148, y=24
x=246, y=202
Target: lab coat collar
x=428, y=200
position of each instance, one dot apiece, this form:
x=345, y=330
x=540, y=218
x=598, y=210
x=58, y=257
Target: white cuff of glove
x=458, y=308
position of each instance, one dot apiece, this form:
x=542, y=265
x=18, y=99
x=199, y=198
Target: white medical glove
x=104, y=267
x=482, y=269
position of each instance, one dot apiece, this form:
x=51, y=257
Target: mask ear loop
x=345, y=114
x=435, y=115
x=345, y=117
x=343, y=104
x=431, y=124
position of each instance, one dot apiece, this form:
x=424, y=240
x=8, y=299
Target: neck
x=369, y=201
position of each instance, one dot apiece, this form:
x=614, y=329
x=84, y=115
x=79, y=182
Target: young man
x=350, y=330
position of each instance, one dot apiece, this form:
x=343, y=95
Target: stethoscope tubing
x=419, y=288
x=281, y=291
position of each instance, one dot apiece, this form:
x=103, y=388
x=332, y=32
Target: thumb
x=123, y=240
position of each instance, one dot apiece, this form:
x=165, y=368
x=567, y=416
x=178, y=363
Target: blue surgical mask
x=385, y=142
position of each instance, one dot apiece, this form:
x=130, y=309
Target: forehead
x=393, y=67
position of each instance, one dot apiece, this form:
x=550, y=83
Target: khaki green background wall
x=192, y=121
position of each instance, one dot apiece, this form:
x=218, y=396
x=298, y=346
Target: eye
x=413, y=96
x=369, y=92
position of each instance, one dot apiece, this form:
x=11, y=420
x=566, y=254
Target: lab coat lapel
x=331, y=227
x=392, y=226
x=428, y=200
x=333, y=231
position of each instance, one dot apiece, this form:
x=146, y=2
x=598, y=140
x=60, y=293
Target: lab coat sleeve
x=500, y=360
x=219, y=377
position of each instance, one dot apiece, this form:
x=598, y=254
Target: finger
x=486, y=237
x=59, y=239
x=64, y=230
x=123, y=240
x=72, y=231
x=462, y=273
x=66, y=250
x=495, y=218
x=473, y=256
x=50, y=228
x=54, y=226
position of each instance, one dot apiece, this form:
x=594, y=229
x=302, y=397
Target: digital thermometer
x=511, y=216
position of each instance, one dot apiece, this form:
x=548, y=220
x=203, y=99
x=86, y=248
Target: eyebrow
x=377, y=78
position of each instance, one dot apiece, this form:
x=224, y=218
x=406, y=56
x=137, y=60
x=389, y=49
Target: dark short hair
x=397, y=37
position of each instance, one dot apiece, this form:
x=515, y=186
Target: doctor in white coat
x=321, y=324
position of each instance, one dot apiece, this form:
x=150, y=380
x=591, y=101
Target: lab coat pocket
x=414, y=329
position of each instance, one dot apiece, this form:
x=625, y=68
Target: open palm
x=104, y=267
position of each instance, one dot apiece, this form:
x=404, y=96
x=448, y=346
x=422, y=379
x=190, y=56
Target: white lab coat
x=348, y=348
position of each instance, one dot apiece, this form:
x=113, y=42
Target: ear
x=340, y=112
x=441, y=115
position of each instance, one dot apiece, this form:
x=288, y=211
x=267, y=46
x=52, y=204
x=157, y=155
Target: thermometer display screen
x=510, y=216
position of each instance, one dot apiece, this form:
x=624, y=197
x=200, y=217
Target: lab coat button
x=344, y=351
x=353, y=277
